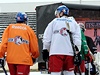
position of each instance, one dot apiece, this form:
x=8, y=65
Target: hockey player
x=89, y=40
x=57, y=42
x=93, y=50
x=84, y=51
x=20, y=44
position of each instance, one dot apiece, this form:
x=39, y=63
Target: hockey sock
x=81, y=73
x=68, y=73
x=55, y=73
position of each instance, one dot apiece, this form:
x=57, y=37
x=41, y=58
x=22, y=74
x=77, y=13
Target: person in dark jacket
x=93, y=49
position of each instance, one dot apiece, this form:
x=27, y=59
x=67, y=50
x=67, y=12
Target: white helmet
x=82, y=26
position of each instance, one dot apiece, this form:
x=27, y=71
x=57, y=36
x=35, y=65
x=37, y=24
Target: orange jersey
x=20, y=43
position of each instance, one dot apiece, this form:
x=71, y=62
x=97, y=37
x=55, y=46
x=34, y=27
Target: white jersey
x=56, y=38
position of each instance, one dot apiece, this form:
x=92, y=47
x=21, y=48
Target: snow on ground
x=31, y=73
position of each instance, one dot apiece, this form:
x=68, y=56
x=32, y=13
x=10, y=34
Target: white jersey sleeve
x=77, y=36
x=47, y=36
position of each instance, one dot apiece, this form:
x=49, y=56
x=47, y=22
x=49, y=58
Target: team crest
x=18, y=40
x=63, y=31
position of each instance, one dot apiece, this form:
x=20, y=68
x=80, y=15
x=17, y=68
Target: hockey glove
x=77, y=56
x=45, y=55
x=34, y=60
x=88, y=57
x=77, y=59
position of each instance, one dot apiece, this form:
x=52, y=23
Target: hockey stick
x=73, y=46
x=2, y=65
x=4, y=70
x=79, y=70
